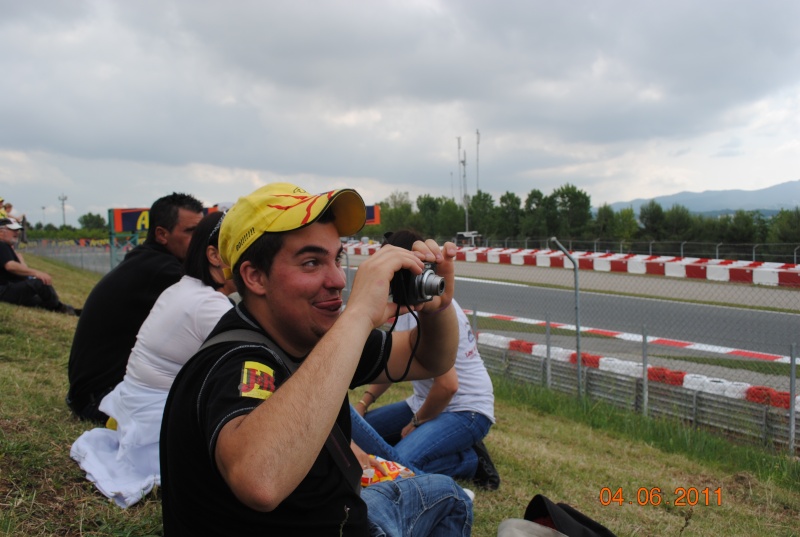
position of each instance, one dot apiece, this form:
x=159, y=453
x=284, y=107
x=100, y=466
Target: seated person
x=440, y=428
x=123, y=463
x=21, y=284
x=122, y=300
x=255, y=434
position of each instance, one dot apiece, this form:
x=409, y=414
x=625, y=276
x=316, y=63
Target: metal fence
x=680, y=343
x=766, y=252
x=96, y=256
x=742, y=420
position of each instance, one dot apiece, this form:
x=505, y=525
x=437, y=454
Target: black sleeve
x=376, y=353
x=240, y=380
x=6, y=254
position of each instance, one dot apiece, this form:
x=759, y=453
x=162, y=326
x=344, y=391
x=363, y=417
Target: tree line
x=92, y=226
x=567, y=214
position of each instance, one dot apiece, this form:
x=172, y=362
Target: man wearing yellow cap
x=256, y=430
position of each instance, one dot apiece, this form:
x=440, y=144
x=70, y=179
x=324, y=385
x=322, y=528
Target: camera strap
x=337, y=444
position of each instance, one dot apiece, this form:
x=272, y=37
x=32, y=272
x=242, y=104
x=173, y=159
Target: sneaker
x=486, y=475
x=469, y=493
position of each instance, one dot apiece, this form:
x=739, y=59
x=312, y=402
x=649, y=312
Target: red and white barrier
x=720, y=270
x=691, y=381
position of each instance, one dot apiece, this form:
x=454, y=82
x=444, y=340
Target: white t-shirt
x=179, y=322
x=124, y=463
x=475, y=392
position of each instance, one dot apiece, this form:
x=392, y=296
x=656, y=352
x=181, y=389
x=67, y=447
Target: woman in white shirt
x=122, y=459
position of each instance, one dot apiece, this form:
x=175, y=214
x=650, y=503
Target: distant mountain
x=767, y=200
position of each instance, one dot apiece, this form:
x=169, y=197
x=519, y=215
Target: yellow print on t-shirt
x=258, y=381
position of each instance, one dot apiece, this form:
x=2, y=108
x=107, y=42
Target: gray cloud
x=117, y=101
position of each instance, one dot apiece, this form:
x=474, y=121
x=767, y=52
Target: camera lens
x=430, y=285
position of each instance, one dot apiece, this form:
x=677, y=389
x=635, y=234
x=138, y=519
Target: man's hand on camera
x=444, y=257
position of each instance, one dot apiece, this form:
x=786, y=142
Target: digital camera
x=408, y=289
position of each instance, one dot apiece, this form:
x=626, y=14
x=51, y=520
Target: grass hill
x=584, y=454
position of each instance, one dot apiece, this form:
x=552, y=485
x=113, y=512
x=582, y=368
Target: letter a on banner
x=143, y=222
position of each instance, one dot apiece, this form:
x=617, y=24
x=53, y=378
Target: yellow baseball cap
x=280, y=207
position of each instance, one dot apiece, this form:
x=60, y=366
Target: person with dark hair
x=21, y=284
x=123, y=463
x=256, y=427
x=119, y=303
x=440, y=428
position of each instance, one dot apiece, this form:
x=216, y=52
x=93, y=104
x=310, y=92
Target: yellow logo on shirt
x=258, y=381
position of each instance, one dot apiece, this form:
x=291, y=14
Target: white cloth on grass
x=124, y=463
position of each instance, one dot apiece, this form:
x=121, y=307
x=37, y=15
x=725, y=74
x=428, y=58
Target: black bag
x=564, y=518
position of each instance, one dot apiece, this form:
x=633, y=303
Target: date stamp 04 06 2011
x=681, y=497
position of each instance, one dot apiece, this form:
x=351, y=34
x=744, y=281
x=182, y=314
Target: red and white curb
x=637, y=338
x=736, y=390
x=719, y=270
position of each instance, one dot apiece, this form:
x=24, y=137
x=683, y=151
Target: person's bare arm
x=441, y=393
x=371, y=394
x=21, y=269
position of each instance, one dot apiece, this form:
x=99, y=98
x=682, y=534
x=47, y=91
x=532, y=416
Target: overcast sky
x=116, y=103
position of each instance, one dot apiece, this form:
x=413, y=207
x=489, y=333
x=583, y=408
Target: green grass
x=543, y=442
x=667, y=435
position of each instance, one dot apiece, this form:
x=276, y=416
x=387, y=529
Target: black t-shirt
x=7, y=254
x=226, y=381
x=112, y=315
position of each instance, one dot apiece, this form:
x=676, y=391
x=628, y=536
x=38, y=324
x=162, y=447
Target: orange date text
x=680, y=497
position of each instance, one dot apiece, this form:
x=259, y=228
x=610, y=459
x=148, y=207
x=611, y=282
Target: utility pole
x=466, y=196
x=63, y=198
x=452, y=191
x=43, y=219
x=477, y=159
x=458, y=167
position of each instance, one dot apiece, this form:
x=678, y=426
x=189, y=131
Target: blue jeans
x=440, y=446
x=371, y=442
x=425, y=505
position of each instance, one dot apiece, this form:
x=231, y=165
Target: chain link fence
x=94, y=255
x=716, y=354
x=765, y=252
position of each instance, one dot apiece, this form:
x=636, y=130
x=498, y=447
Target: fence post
x=645, y=392
x=792, y=399
x=547, y=354
x=577, y=315
x=475, y=321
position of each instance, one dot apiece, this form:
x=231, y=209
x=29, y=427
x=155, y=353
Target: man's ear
x=254, y=278
x=161, y=235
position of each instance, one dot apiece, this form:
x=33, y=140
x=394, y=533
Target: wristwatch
x=415, y=421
